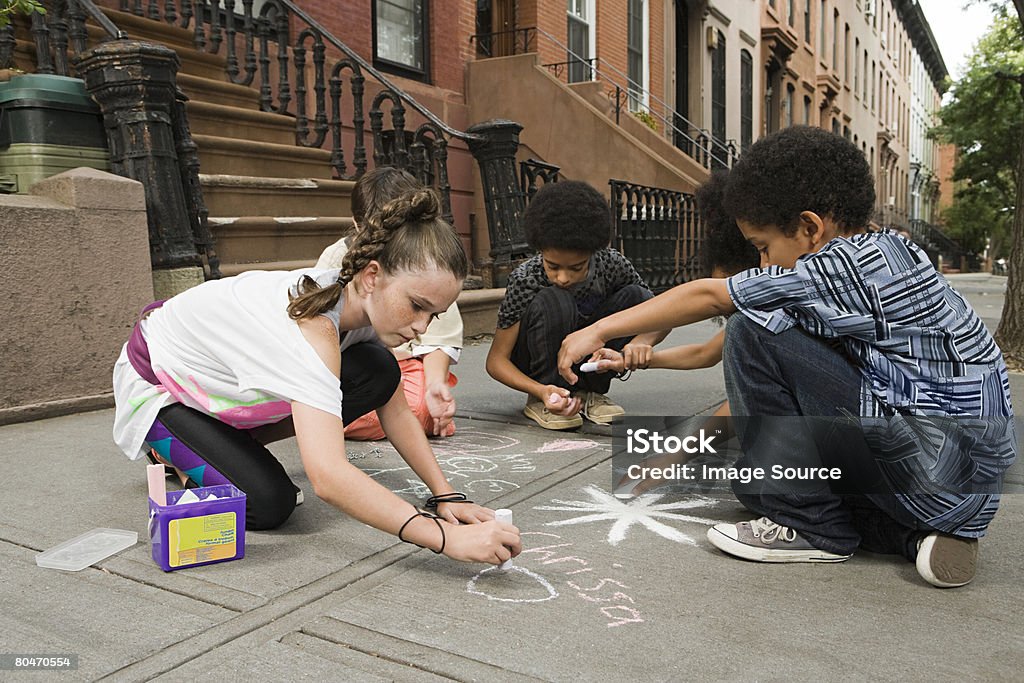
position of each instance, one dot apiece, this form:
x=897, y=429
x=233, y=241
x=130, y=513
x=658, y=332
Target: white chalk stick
x=504, y=515
x=589, y=367
x=157, y=482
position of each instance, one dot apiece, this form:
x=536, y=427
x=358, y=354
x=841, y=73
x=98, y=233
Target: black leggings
x=212, y=452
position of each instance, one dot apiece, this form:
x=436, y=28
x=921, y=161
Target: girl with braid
x=211, y=376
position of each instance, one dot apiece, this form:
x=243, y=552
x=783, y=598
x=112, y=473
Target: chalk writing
x=618, y=608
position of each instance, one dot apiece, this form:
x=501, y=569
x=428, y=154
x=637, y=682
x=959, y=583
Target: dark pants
x=370, y=377
x=550, y=318
x=794, y=374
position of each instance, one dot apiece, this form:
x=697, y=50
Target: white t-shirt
x=227, y=348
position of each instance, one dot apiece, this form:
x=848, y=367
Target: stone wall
x=74, y=273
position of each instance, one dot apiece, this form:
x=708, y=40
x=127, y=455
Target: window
x=789, y=105
x=636, y=53
x=846, y=55
x=579, y=15
x=807, y=21
x=872, y=85
x=807, y=110
x=400, y=37
x=791, y=13
x=856, y=66
x=746, y=99
x=835, y=126
x=835, y=41
x=865, y=76
x=718, y=82
x=821, y=30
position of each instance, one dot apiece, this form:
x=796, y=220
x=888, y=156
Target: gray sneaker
x=947, y=561
x=762, y=540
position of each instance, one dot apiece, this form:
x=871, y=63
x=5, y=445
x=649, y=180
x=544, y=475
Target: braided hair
x=406, y=234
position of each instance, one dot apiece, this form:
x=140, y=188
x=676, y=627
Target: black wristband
x=428, y=515
x=454, y=497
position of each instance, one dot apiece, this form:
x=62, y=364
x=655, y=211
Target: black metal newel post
x=134, y=83
x=494, y=144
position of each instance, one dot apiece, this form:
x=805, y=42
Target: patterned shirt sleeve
x=768, y=295
x=523, y=284
x=621, y=272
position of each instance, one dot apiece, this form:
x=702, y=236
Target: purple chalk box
x=203, y=532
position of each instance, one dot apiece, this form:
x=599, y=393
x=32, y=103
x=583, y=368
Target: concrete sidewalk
x=607, y=589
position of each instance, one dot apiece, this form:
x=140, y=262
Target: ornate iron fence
x=658, y=230
x=532, y=170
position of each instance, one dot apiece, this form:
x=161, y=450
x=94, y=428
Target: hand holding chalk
x=504, y=515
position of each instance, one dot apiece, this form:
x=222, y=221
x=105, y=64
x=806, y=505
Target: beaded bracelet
x=428, y=515
x=454, y=497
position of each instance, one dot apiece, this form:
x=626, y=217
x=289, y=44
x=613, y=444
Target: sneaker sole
x=566, y=423
x=947, y=561
x=602, y=420
x=733, y=547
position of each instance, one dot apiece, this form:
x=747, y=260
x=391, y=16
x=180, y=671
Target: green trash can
x=48, y=125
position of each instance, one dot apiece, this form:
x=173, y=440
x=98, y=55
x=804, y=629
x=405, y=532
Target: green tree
x=986, y=110
x=10, y=7
x=1010, y=334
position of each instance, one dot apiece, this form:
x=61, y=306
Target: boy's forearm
x=682, y=305
x=688, y=357
x=503, y=370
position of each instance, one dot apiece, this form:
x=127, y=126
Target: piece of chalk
x=589, y=367
x=157, y=481
x=504, y=515
x=554, y=398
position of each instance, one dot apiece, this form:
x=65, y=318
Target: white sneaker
x=947, y=561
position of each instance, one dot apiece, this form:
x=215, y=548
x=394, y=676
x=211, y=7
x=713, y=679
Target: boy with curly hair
x=574, y=280
x=859, y=328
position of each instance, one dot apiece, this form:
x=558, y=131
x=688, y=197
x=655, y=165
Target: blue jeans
x=794, y=374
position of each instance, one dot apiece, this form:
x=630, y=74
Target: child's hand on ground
x=560, y=401
x=492, y=542
x=576, y=347
x=608, y=360
x=441, y=406
x=637, y=356
x=464, y=513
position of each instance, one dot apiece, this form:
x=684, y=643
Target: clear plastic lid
x=87, y=549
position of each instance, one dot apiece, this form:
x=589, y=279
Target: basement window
x=401, y=30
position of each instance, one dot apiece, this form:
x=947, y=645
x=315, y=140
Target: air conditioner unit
x=869, y=8
x=882, y=39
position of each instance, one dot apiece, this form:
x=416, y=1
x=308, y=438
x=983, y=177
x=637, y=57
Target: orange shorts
x=367, y=427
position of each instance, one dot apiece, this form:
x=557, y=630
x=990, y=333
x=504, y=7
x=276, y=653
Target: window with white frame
x=580, y=28
x=636, y=53
x=400, y=37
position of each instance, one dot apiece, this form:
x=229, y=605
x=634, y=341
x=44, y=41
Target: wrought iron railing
x=271, y=51
x=659, y=231
x=937, y=243
x=532, y=170
x=695, y=142
x=60, y=38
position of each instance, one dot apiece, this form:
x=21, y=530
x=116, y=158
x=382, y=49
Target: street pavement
x=607, y=588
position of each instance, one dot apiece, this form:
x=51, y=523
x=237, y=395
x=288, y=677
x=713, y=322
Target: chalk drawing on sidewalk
x=643, y=510
x=568, y=445
x=582, y=578
x=471, y=586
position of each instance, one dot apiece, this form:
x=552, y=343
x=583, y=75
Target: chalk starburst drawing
x=643, y=509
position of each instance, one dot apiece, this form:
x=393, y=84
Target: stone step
x=235, y=195
x=229, y=156
x=257, y=241
x=157, y=31
x=191, y=60
x=207, y=118
x=211, y=90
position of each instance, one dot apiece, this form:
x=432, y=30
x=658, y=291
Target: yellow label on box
x=201, y=539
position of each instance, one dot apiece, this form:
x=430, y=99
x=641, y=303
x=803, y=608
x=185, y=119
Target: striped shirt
x=935, y=396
